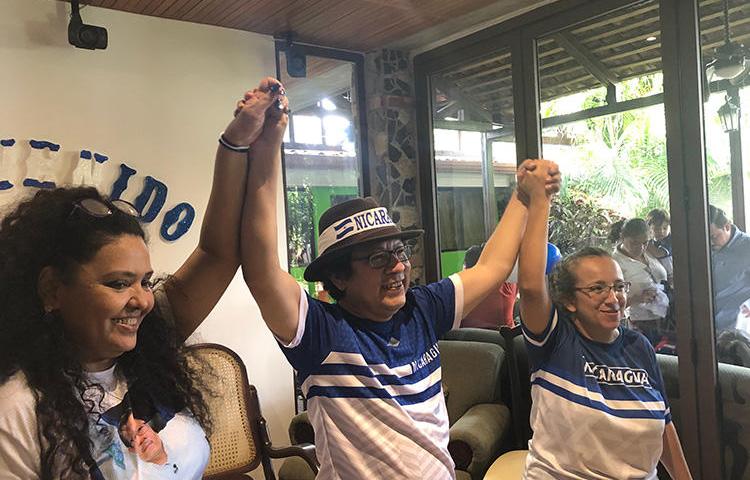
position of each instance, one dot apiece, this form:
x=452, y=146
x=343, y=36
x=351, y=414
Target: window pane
x=308, y=129
x=727, y=140
x=338, y=132
x=475, y=152
x=613, y=154
x=321, y=158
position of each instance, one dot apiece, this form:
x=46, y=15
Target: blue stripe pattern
x=364, y=371
x=372, y=392
x=340, y=235
x=587, y=402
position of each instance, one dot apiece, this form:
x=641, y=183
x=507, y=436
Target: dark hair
x=471, y=257
x=733, y=347
x=340, y=266
x=48, y=230
x=717, y=217
x=657, y=216
x=627, y=228
x=563, y=278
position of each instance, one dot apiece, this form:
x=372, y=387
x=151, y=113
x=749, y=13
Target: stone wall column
x=392, y=136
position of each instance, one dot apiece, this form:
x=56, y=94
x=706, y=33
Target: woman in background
x=647, y=300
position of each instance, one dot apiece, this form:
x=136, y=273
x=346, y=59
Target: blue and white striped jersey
x=599, y=410
x=373, y=388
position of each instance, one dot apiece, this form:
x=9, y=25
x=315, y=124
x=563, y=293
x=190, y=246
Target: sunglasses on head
x=99, y=209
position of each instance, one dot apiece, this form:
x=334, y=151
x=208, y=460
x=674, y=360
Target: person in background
x=496, y=310
x=83, y=326
x=599, y=407
x=659, y=224
x=730, y=268
x=660, y=244
x=647, y=302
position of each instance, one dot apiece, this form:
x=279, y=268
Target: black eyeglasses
x=600, y=291
x=382, y=258
x=97, y=208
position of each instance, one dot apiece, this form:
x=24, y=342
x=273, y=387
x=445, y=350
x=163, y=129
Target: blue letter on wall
x=172, y=217
x=122, y=181
x=159, y=191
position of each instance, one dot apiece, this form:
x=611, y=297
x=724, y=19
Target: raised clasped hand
x=262, y=107
x=537, y=177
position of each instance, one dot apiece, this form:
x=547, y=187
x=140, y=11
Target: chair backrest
x=734, y=387
x=520, y=387
x=471, y=373
x=234, y=409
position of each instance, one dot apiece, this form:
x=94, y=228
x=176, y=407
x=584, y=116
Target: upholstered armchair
x=480, y=421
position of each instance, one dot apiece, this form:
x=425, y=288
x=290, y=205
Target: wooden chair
x=239, y=440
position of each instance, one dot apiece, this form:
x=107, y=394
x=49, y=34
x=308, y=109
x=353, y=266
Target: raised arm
x=497, y=258
x=196, y=287
x=275, y=291
x=532, y=284
x=499, y=254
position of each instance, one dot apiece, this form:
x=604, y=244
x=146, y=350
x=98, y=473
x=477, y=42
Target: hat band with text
x=355, y=224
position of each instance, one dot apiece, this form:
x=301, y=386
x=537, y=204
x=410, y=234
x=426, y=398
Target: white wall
x=156, y=100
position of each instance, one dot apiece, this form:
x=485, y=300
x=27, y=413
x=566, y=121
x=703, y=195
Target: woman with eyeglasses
x=648, y=302
x=85, y=333
x=599, y=405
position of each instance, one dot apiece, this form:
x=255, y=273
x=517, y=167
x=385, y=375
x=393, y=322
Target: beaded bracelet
x=230, y=146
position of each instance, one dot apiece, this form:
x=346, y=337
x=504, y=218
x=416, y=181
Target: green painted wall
x=451, y=262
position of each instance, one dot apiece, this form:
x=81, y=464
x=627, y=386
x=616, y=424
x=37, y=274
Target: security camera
x=296, y=62
x=85, y=36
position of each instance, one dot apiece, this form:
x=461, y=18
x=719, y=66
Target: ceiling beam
x=454, y=93
x=589, y=62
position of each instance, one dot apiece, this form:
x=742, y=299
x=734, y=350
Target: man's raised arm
x=275, y=291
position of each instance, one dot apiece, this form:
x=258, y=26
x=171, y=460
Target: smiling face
x=142, y=440
x=375, y=293
x=597, y=316
x=105, y=301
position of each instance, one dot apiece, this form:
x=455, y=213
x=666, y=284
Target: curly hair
x=46, y=231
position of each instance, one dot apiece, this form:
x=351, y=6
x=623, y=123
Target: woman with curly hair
x=90, y=348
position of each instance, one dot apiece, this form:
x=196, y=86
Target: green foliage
x=622, y=161
x=578, y=220
x=299, y=228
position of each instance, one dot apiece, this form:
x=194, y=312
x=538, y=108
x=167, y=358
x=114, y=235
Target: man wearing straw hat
x=369, y=363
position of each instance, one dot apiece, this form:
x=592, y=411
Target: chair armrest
x=476, y=437
x=306, y=451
